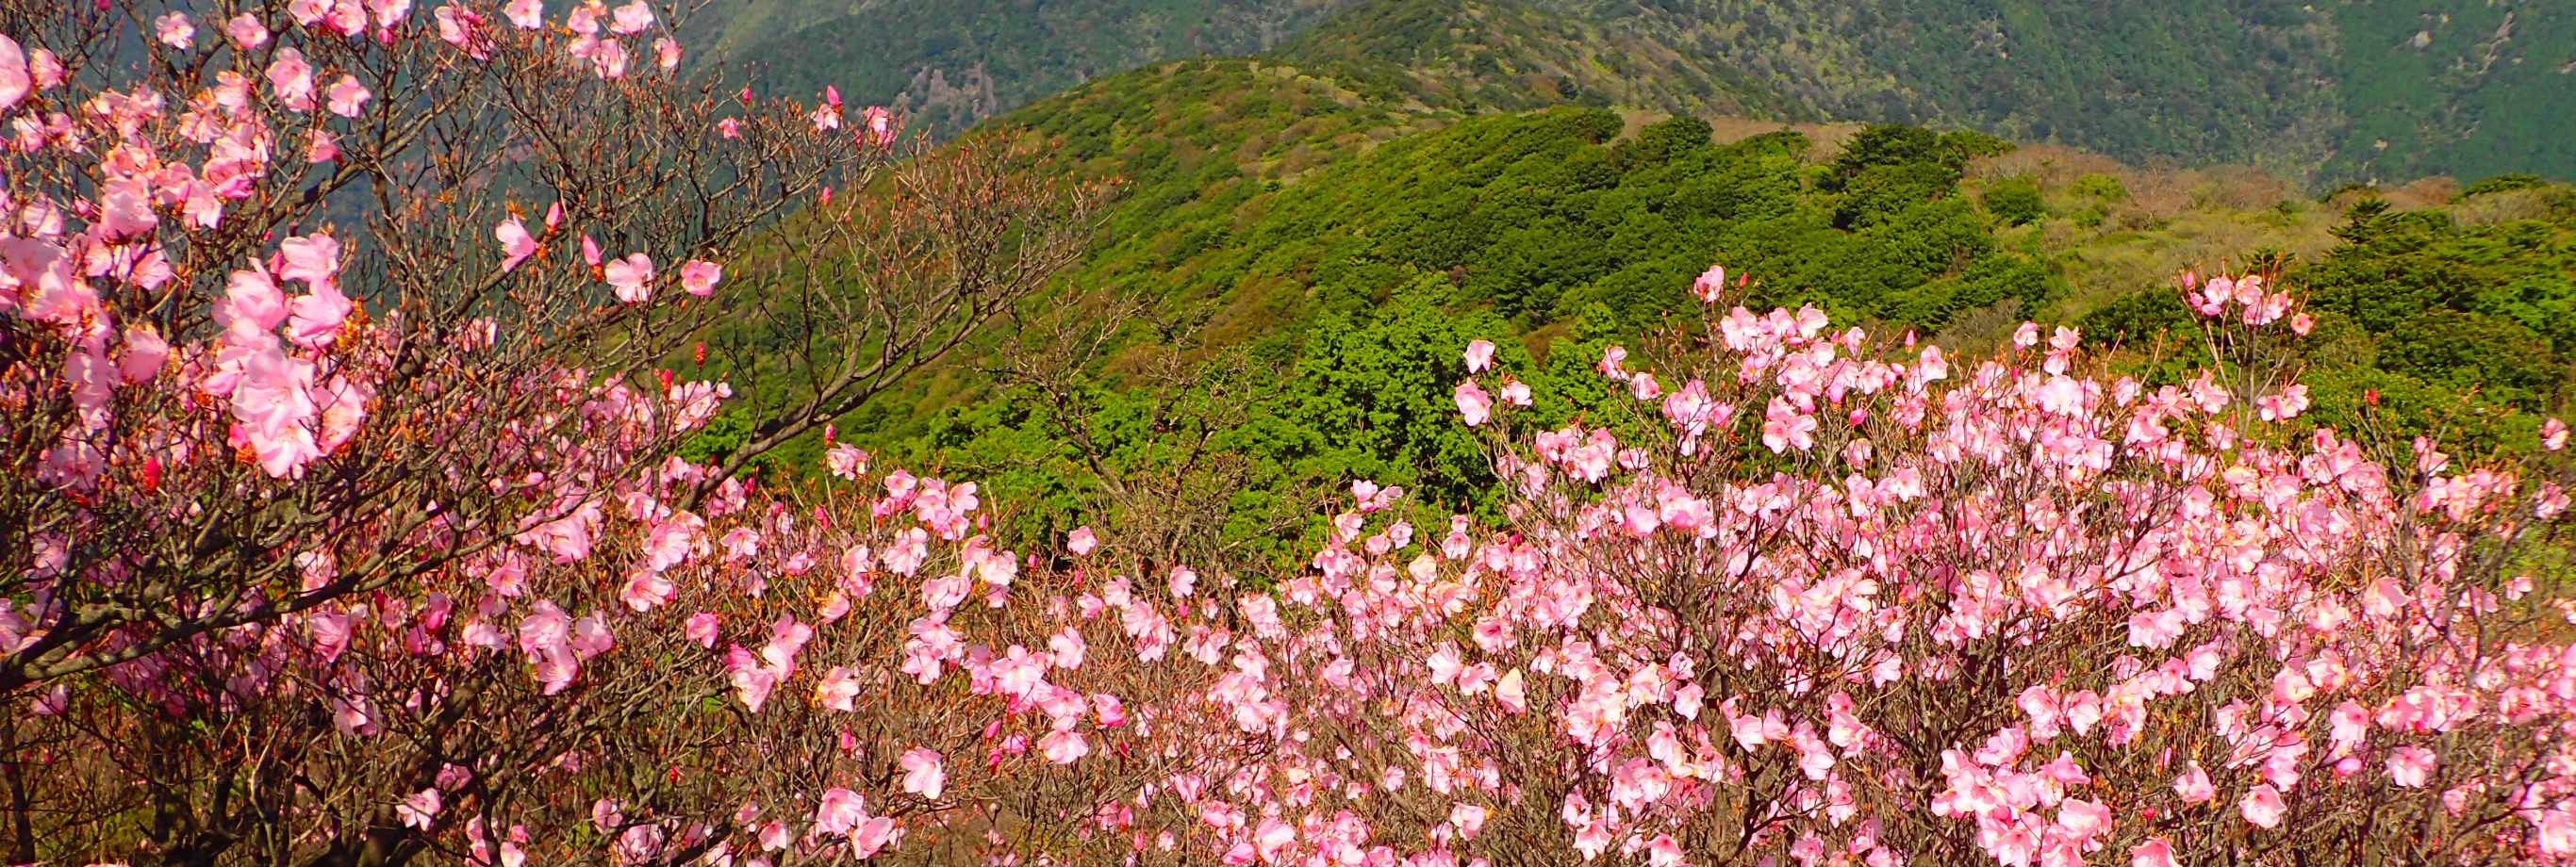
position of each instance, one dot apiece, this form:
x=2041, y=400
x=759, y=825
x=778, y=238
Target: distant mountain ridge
x=2323, y=91
x=951, y=63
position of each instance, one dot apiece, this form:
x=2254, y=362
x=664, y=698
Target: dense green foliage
x=2465, y=330
x=1538, y=215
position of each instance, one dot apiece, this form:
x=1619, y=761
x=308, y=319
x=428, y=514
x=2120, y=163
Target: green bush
x=2103, y=187
x=2502, y=184
x=2015, y=200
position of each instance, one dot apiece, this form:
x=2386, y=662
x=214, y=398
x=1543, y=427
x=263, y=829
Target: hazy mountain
x=2325, y=91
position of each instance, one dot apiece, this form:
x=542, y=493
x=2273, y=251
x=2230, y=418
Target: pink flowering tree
x=841, y=675
x=1859, y=603
x=331, y=337
x=292, y=284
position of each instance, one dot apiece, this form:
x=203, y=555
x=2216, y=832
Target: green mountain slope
x=1309, y=244
x=951, y=63
x=2322, y=91
x=1510, y=55
x=2466, y=89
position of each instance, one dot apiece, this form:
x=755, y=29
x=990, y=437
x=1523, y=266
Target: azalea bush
x=346, y=522
x=1861, y=603
x=310, y=310
x=314, y=272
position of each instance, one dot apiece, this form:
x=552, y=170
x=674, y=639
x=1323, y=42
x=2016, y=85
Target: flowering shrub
x=264, y=272
x=313, y=314
x=1853, y=605
x=332, y=545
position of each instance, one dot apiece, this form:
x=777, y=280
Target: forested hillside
x=2325, y=91
x=951, y=63
x=1299, y=247
x=2322, y=92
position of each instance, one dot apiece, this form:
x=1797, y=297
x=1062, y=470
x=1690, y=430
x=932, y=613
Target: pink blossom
x=1068, y=647
x=312, y=259
x=274, y=402
x=347, y=97
x=827, y=115
x=2553, y=435
x=1081, y=541
x=1064, y=746
x=837, y=690
x=871, y=837
x=125, y=212
x=846, y=461
x=525, y=14
x=45, y=68
x=175, y=30
x=1509, y=692
x=2263, y=806
x=1480, y=355
x=922, y=774
x=1472, y=402
x=15, y=80
x=246, y=30
x=879, y=125
x=419, y=810
x=2083, y=819
x=1468, y=818
x=2194, y=785
x=839, y=812
x=632, y=277
x=143, y=355
x=631, y=18
x=463, y=28
x=2557, y=832
x=322, y=147
x=315, y=318
x=2410, y=767
x=647, y=590
x=2287, y=405
x=701, y=628
x=1784, y=427
x=2155, y=852
x=388, y=13
x=516, y=244
x=609, y=59
x=1710, y=285
x=1611, y=359
x=291, y=79
x=699, y=276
